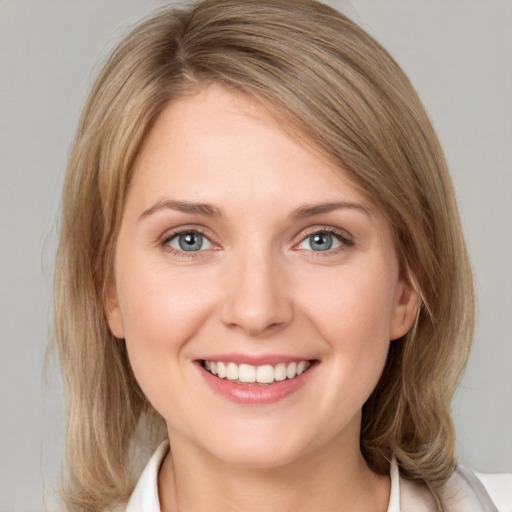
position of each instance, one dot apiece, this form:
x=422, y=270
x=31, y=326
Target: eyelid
x=342, y=235
x=346, y=239
x=175, y=240
x=167, y=236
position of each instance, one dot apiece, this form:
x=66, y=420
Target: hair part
x=342, y=94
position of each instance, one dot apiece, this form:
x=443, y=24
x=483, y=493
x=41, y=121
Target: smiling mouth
x=263, y=374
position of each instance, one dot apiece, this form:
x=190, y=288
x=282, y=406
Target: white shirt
x=465, y=491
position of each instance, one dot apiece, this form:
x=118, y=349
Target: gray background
x=458, y=53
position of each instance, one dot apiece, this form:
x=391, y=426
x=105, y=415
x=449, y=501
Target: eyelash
x=164, y=242
x=342, y=236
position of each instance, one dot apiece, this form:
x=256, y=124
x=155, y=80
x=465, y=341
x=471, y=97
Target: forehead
x=217, y=139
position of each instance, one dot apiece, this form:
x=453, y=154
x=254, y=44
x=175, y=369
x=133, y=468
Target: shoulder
x=465, y=491
x=499, y=488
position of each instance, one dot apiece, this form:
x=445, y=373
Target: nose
x=257, y=299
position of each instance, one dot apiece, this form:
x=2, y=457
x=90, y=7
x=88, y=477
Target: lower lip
x=256, y=393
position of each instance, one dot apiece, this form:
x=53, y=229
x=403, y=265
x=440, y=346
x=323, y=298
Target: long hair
x=338, y=90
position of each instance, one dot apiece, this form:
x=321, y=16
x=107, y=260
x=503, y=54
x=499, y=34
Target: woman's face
x=242, y=252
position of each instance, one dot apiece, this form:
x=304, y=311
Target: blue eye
x=322, y=241
x=191, y=241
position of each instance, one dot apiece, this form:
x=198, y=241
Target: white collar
x=145, y=495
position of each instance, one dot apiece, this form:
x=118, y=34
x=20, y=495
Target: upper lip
x=255, y=360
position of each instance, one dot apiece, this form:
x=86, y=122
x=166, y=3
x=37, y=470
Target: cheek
x=154, y=298
x=161, y=311
x=352, y=314
x=352, y=308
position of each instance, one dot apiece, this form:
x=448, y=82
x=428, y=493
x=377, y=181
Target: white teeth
x=232, y=371
x=221, y=370
x=301, y=367
x=265, y=374
x=247, y=373
x=280, y=372
x=291, y=370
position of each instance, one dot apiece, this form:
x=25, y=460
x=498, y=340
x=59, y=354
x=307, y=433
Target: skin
x=255, y=288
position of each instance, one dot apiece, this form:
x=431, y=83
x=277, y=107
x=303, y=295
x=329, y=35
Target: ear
x=113, y=311
x=405, y=308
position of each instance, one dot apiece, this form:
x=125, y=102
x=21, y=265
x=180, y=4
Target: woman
x=261, y=262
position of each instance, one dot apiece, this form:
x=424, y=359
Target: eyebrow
x=209, y=210
x=310, y=210
x=182, y=206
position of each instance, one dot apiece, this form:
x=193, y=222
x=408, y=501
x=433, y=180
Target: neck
x=332, y=478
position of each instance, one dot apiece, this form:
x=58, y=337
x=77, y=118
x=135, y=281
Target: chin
x=266, y=445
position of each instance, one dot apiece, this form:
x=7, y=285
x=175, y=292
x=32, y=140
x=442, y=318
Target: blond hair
x=344, y=95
